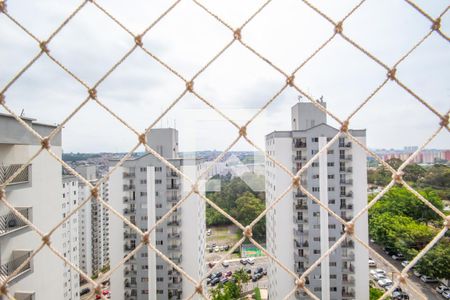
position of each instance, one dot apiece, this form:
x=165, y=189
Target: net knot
x=3, y=6
x=300, y=283
x=350, y=228
x=190, y=86
x=46, y=240
x=3, y=290
x=402, y=278
x=248, y=232
x=339, y=28
x=199, y=289
x=146, y=238
x=344, y=127
x=290, y=80
x=444, y=121
x=94, y=192
x=2, y=99
x=391, y=74
x=447, y=222
x=243, y=131
x=138, y=40
x=45, y=143
x=237, y=34
x=195, y=188
x=398, y=177
x=296, y=181
x=142, y=139
x=43, y=46
x=436, y=24
x=93, y=93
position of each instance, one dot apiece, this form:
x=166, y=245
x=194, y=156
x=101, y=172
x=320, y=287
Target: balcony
x=299, y=158
x=128, y=247
x=18, y=258
x=176, y=235
x=346, y=157
x=346, y=181
x=174, y=223
x=130, y=235
x=300, y=206
x=348, y=281
x=348, y=195
x=128, y=187
x=174, y=247
x=176, y=258
x=7, y=171
x=10, y=222
x=348, y=244
x=345, y=145
x=171, y=173
x=300, y=195
x=298, y=220
x=129, y=272
x=130, y=284
x=300, y=244
x=129, y=175
x=348, y=294
x=299, y=144
x=303, y=232
x=173, y=186
x=128, y=211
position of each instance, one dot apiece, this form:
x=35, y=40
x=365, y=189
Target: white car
x=416, y=273
x=372, y=263
x=379, y=276
x=251, y=260
x=446, y=295
x=442, y=288
x=376, y=271
x=385, y=282
x=426, y=278
x=405, y=263
x=208, y=232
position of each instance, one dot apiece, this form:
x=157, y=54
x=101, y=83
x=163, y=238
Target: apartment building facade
x=93, y=224
x=299, y=231
x=36, y=193
x=70, y=237
x=144, y=189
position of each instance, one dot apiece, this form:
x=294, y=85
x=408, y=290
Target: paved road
x=260, y=262
x=426, y=290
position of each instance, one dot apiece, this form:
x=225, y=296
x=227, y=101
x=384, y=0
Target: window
x=315, y=164
x=158, y=169
x=332, y=264
x=159, y=242
x=331, y=176
x=160, y=292
x=159, y=279
x=316, y=251
x=331, y=189
x=143, y=169
x=316, y=189
x=143, y=193
x=314, y=139
x=158, y=181
x=143, y=181
x=330, y=164
x=159, y=267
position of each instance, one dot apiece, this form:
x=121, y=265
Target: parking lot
x=235, y=264
x=418, y=288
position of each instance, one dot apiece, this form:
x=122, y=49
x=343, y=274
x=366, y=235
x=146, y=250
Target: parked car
x=259, y=270
x=224, y=280
x=416, y=273
x=372, y=263
x=251, y=260
x=377, y=271
x=446, y=295
x=243, y=261
x=379, y=276
x=442, y=288
x=405, y=263
x=211, y=264
x=208, y=232
x=400, y=296
x=228, y=274
x=215, y=281
x=85, y=291
x=222, y=248
x=385, y=282
x=428, y=279
x=208, y=279
x=225, y=264
x=227, y=247
x=216, y=249
x=249, y=271
x=255, y=278
x=398, y=256
x=217, y=275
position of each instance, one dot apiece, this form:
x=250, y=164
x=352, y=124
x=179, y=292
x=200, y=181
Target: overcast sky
x=286, y=32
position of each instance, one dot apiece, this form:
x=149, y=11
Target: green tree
x=437, y=261
x=248, y=208
x=400, y=201
x=232, y=289
x=375, y=293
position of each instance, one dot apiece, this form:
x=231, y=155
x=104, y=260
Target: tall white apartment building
x=298, y=230
x=144, y=189
x=36, y=194
x=93, y=224
x=70, y=237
